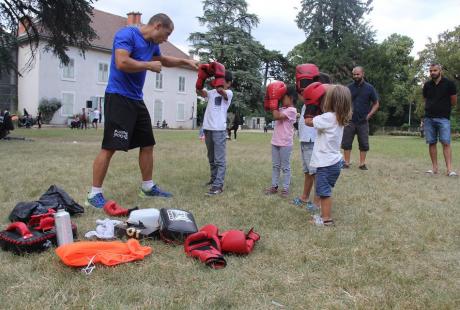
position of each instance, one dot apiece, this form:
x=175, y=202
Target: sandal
x=452, y=174
x=299, y=202
x=317, y=220
x=431, y=172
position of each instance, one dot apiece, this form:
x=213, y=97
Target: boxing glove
x=114, y=209
x=274, y=93
x=205, y=246
x=305, y=74
x=203, y=74
x=312, y=96
x=237, y=242
x=218, y=71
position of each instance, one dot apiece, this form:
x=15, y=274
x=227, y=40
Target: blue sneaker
x=155, y=191
x=97, y=201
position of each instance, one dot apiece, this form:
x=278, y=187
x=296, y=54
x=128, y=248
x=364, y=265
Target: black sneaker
x=363, y=167
x=214, y=191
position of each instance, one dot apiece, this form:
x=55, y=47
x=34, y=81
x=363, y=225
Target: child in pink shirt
x=282, y=140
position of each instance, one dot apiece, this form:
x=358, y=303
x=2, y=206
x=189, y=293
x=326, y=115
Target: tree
x=228, y=40
x=60, y=23
x=446, y=51
x=338, y=39
x=276, y=66
x=48, y=107
x=390, y=68
x=336, y=35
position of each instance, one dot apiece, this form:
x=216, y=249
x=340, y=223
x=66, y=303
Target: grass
x=395, y=244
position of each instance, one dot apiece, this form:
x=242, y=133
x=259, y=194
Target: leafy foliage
x=7, y=45
x=62, y=23
x=277, y=67
x=48, y=107
x=390, y=68
x=228, y=40
x=337, y=37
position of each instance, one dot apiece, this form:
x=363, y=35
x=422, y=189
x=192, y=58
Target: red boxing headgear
x=304, y=75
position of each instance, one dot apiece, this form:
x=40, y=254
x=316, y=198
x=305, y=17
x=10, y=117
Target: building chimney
x=192, y=55
x=24, y=23
x=134, y=19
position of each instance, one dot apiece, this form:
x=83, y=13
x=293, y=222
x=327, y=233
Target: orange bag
x=81, y=253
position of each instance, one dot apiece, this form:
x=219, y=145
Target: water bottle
x=63, y=227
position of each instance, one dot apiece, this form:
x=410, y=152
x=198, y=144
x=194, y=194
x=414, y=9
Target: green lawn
x=396, y=243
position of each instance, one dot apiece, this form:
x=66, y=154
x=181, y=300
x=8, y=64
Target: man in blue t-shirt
x=127, y=121
x=365, y=105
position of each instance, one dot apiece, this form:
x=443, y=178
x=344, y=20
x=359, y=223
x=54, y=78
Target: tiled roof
x=106, y=25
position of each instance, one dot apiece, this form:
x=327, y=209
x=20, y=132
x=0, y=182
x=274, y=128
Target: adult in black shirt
x=440, y=96
x=365, y=105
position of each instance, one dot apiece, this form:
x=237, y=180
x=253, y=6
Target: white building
x=169, y=95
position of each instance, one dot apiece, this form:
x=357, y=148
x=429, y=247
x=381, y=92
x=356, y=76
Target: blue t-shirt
x=130, y=84
x=363, y=96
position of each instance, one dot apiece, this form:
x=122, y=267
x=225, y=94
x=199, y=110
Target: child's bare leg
x=316, y=198
x=326, y=206
x=307, y=186
x=317, y=201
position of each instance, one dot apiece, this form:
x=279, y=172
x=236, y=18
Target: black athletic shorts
x=127, y=123
x=360, y=129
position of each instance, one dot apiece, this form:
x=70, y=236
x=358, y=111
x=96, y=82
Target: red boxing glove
x=218, y=71
x=275, y=92
x=203, y=74
x=237, y=242
x=114, y=209
x=21, y=228
x=205, y=245
x=312, y=96
x=305, y=75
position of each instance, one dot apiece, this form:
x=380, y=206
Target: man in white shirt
x=215, y=130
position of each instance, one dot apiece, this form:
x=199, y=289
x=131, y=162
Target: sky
x=277, y=30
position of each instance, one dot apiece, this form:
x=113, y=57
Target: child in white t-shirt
x=326, y=155
x=215, y=131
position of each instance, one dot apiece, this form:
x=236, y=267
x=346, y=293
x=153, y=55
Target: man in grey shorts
x=365, y=105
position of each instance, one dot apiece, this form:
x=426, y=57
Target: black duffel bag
x=51, y=199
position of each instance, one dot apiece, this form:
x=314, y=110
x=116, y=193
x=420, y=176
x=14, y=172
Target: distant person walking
x=236, y=123
x=39, y=120
x=440, y=96
x=96, y=116
x=83, y=119
x=365, y=105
